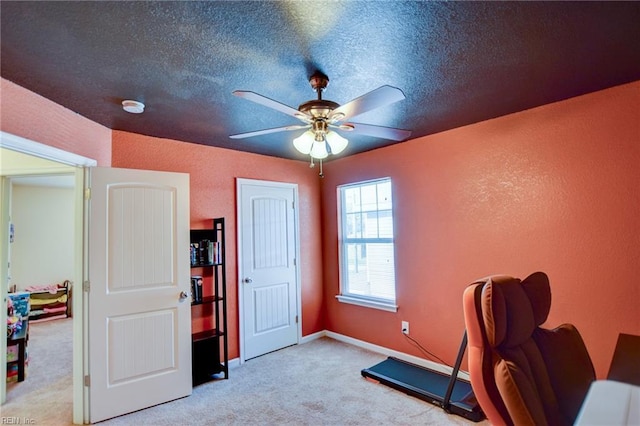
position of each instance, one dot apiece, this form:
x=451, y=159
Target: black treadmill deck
x=426, y=384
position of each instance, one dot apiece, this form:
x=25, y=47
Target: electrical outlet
x=405, y=327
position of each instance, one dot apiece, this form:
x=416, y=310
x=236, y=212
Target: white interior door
x=139, y=333
x=268, y=278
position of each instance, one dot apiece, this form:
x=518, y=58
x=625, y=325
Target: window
x=367, y=260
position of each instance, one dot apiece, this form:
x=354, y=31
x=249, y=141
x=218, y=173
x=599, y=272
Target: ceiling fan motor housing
x=318, y=108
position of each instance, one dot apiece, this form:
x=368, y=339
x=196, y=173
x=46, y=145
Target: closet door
x=269, y=278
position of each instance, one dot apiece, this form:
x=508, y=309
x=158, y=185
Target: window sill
x=368, y=303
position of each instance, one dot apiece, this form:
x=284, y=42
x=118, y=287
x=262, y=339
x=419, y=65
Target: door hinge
x=87, y=381
x=87, y=193
x=294, y=262
x=293, y=205
x=86, y=285
x=296, y=319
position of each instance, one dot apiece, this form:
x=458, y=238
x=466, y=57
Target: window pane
x=351, y=257
x=369, y=198
x=384, y=196
x=385, y=224
x=351, y=199
x=357, y=274
x=353, y=226
x=370, y=225
x=371, y=270
x=381, y=270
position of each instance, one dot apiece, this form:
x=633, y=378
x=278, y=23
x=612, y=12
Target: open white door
x=268, y=278
x=139, y=315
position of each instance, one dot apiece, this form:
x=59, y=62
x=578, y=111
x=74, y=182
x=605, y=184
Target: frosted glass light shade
x=304, y=142
x=319, y=150
x=316, y=144
x=336, y=142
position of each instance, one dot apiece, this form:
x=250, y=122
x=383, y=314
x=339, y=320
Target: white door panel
x=269, y=281
x=139, y=325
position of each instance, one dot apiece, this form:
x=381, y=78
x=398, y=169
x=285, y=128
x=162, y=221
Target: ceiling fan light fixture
x=336, y=142
x=304, y=142
x=319, y=150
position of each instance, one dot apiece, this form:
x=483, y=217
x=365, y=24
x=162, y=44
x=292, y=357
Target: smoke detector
x=133, y=107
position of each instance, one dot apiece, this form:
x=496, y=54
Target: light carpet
x=316, y=383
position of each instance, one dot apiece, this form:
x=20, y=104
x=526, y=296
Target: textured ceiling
x=456, y=62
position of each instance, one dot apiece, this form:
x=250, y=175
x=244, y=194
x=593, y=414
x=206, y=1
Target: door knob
x=183, y=296
x=248, y=280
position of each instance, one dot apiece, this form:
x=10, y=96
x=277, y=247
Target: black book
x=204, y=252
x=196, y=289
x=194, y=253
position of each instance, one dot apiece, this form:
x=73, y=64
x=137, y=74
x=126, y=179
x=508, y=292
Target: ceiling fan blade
x=377, y=131
x=267, y=131
x=377, y=98
x=262, y=100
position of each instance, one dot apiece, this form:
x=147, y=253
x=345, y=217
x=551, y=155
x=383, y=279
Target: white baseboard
x=384, y=351
x=314, y=336
x=234, y=363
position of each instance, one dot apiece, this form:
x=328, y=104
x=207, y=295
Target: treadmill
x=449, y=392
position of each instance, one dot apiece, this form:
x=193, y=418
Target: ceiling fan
x=323, y=117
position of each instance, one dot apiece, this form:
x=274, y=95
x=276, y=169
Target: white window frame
x=345, y=296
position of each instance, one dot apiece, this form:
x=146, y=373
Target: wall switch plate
x=405, y=327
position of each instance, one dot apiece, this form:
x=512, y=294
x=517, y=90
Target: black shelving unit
x=210, y=353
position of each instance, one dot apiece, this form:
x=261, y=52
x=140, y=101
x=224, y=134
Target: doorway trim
x=47, y=152
x=239, y=184
x=37, y=149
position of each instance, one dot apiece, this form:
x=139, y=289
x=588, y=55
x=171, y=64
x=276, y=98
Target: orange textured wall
x=553, y=189
x=213, y=194
x=26, y=114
